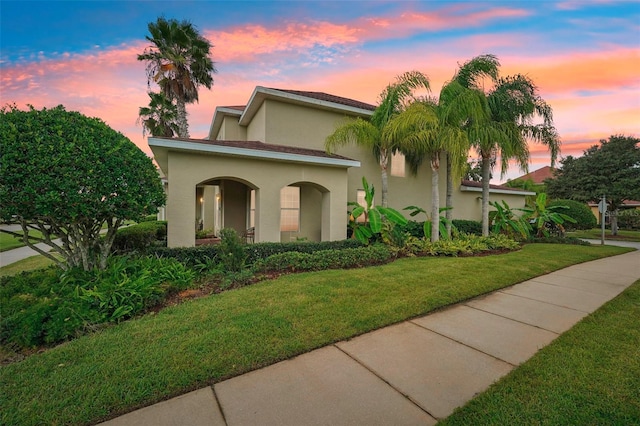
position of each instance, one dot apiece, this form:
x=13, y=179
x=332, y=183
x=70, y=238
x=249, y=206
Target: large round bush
x=577, y=210
x=72, y=177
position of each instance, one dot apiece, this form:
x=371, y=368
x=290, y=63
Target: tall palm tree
x=160, y=118
x=461, y=105
x=178, y=60
x=422, y=132
x=502, y=122
x=369, y=134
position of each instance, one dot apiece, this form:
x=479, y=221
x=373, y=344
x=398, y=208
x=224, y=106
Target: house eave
x=261, y=93
x=194, y=147
x=464, y=188
x=218, y=118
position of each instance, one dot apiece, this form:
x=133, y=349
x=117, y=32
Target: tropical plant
x=547, y=219
x=504, y=220
x=231, y=251
x=578, y=211
x=427, y=224
x=611, y=168
x=178, y=61
x=500, y=121
x=160, y=118
x=374, y=216
x=69, y=176
x=369, y=134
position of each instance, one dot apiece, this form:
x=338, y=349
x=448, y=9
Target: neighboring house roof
x=538, y=176
x=250, y=149
x=472, y=186
x=319, y=100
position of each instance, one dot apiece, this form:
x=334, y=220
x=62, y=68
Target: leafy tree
x=369, y=134
x=67, y=176
x=611, y=168
x=178, y=60
x=500, y=121
x=160, y=118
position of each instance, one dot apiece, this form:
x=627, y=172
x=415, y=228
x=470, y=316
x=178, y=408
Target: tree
x=501, y=120
x=160, y=118
x=178, y=60
x=422, y=132
x=369, y=134
x=67, y=176
x=611, y=168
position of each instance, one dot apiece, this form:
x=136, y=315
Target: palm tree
x=422, y=132
x=501, y=122
x=369, y=134
x=160, y=118
x=178, y=60
x=459, y=104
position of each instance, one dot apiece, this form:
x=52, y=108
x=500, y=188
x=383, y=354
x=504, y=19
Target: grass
x=9, y=242
x=204, y=341
x=590, y=375
x=596, y=234
x=28, y=264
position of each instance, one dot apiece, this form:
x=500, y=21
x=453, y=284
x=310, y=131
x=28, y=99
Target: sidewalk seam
x=463, y=344
x=215, y=396
x=407, y=397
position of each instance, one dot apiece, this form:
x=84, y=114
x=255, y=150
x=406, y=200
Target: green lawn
x=29, y=264
x=596, y=234
x=204, y=341
x=9, y=242
x=588, y=376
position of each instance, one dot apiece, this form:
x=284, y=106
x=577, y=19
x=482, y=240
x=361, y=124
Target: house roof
x=330, y=98
x=472, y=186
x=318, y=100
x=248, y=149
x=538, y=176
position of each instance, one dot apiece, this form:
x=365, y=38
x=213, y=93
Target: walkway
x=412, y=373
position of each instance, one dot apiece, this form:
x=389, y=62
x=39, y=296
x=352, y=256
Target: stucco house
x=263, y=166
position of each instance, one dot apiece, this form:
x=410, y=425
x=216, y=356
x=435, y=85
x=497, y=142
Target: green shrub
x=468, y=226
x=463, y=244
x=231, y=252
x=577, y=210
x=629, y=219
x=139, y=237
x=558, y=240
x=413, y=228
x=325, y=259
x=149, y=218
x=49, y=306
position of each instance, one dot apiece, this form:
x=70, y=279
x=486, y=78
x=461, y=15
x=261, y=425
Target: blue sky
x=583, y=55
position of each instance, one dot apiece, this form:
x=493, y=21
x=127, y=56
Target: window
x=252, y=209
x=397, y=164
x=360, y=200
x=290, y=209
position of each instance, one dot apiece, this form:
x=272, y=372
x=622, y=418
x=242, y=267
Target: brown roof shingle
x=330, y=98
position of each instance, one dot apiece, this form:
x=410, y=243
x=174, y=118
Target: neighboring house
x=537, y=177
x=264, y=166
x=626, y=205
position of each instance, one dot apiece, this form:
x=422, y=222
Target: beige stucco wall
x=230, y=130
x=267, y=178
x=256, y=128
x=468, y=204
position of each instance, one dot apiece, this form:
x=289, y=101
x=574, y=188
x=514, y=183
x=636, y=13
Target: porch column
x=209, y=200
x=267, y=218
x=181, y=202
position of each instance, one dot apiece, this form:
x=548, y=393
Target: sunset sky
x=583, y=55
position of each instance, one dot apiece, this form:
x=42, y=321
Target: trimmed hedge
x=468, y=226
x=139, y=237
x=577, y=210
x=192, y=256
x=295, y=261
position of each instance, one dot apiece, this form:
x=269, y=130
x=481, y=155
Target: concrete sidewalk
x=415, y=372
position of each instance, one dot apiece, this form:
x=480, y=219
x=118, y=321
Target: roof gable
x=538, y=176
